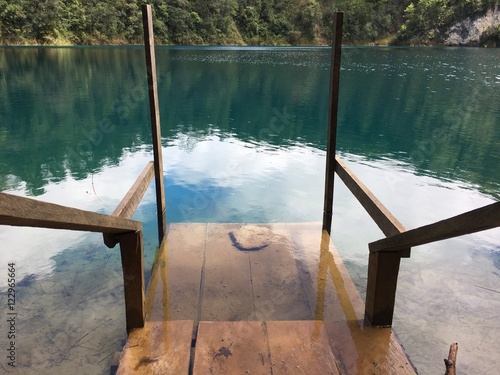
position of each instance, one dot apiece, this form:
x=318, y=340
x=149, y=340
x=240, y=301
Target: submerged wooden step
x=158, y=348
x=300, y=347
x=277, y=347
x=298, y=276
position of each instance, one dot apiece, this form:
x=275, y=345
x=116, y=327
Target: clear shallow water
x=244, y=141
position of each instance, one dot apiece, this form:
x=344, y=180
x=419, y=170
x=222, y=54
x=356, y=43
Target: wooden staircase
x=245, y=347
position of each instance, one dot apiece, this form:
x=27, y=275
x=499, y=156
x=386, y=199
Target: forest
x=231, y=22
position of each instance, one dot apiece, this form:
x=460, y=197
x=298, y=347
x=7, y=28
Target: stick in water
x=451, y=362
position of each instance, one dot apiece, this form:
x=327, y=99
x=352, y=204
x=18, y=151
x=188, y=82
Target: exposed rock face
x=469, y=31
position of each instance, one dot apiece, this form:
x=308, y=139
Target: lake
x=244, y=140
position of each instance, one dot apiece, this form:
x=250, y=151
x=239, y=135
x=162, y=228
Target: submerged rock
x=251, y=237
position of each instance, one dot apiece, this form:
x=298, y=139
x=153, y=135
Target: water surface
x=243, y=134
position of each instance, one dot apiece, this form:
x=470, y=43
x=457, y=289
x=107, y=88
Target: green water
x=243, y=132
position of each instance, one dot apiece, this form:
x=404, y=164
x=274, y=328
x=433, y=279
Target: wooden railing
x=385, y=255
x=117, y=227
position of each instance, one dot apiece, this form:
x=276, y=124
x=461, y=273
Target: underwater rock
x=251, y=237
x=27, y=280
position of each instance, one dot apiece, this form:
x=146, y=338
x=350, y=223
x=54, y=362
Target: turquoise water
x=243, y=134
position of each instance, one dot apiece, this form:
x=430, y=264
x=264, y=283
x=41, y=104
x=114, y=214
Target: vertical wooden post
x=332, y=120
x=383, y=269
x=147, y=21
x=132, y=254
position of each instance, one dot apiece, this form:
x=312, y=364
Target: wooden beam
x=147, y=20
x=332, y=120
x=385, y=220
x=383, y=269
x=131, y=200
x=132, y=255
x=129, y=203
x=483, y=218
x=378, y=212
x=385, y=257
x=27, y=212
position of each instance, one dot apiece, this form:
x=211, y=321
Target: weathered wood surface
x=277, y=288
x=200, y=267
x=333, y=106
x=226, y=278
x=131, y=200
x=358, y=347
x=158, y=348
x=300, y=347
x=231, y=348
x=154, y=108
x=27, y=212
x=483, y=218
x=383, y=270
x=132, y=257
x=309, y=260
x=273, y=347
x=377, y=211
x=174, y=289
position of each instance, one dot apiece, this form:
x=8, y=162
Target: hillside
x=243, y=22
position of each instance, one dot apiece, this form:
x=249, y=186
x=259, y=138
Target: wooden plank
x=158, y=348
x=277, y=287
x=147, y=20
x=378, y=212
x=226, y=290
x=174, y=289
x=358, y=347
x=131, y=200
x=383, y=269
x=132, y=256
x=332, y=119
x=231, y=348
x=26, y=212
x=483, y=218
x=300, y=347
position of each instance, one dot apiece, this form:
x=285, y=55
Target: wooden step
x=252, y=347
x=158, y=348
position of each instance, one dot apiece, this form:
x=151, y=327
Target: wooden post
x=131, y=248
x=147, y=21
x=332, y=120
x=383, y=269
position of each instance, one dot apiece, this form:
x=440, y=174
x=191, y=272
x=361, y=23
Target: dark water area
x=244, y=140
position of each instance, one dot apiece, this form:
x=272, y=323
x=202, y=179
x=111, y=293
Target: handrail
x=378, y=212
x=130, y=201
x=385, y=220
x=477, y=220
x=27, y=212
x=385, y=254
x=116, y=228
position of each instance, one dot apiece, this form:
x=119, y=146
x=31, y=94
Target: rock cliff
x=477, y=30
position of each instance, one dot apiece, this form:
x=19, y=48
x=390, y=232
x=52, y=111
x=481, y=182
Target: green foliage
x=225, y=21
x=424, y=18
